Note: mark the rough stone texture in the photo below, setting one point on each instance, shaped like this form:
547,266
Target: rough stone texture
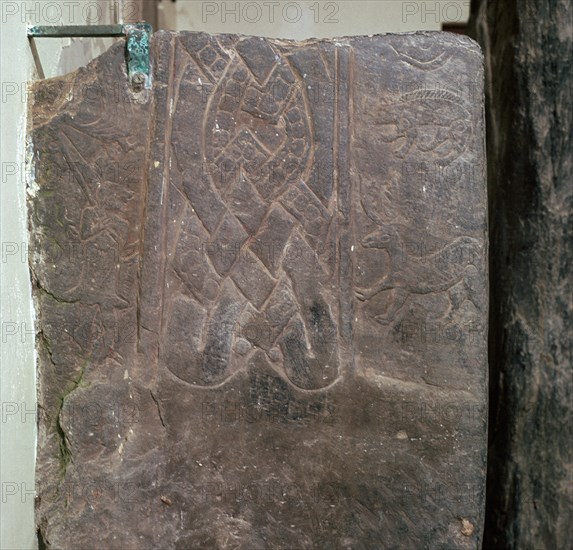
529,59
262,296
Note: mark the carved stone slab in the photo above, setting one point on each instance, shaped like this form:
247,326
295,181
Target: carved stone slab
262,298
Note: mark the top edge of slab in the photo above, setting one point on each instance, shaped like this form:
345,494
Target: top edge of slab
448,37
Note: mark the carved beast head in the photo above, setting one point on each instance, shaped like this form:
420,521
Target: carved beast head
386,237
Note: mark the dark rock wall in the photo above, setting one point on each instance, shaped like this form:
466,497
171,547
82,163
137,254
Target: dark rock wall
529,51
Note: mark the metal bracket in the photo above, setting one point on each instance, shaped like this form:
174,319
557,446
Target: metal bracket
137,44
138,57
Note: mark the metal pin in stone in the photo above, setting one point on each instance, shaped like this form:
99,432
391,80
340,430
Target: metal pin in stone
138,81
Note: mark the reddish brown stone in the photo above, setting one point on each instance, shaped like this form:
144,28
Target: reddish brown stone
272,332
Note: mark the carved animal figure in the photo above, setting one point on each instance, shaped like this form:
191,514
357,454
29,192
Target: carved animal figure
426,120
428,274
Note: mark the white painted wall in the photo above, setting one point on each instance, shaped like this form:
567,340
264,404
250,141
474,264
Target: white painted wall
299,19
283,19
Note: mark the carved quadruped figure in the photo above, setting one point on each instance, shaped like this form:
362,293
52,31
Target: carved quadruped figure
436,272
425,121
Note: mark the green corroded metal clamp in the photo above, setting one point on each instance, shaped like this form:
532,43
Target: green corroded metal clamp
138,36
137,52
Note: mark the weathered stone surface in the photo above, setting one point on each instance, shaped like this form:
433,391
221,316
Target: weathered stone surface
529,52
262,296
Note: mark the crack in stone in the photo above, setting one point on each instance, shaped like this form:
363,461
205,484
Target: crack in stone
66,455
63,443
43,543
44,339
156,401
53,296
